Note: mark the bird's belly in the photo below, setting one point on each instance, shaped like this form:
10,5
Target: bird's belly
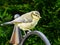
25,26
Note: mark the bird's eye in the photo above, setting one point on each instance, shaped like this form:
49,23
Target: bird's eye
35,15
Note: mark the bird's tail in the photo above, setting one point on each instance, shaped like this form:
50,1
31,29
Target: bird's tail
6,23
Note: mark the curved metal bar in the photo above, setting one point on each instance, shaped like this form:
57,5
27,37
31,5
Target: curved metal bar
43,37
38,33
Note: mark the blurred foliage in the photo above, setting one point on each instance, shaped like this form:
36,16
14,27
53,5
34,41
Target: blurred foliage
49,24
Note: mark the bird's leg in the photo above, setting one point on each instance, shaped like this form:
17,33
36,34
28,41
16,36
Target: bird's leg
24,34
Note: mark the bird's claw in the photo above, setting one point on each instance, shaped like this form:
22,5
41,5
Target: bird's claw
29,31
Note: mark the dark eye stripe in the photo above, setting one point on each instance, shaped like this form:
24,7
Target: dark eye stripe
35,15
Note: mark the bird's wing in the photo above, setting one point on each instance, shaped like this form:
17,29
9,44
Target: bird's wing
23,19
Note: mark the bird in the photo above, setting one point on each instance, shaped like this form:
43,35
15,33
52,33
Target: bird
26,21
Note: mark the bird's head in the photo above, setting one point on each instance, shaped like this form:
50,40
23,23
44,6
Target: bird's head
36,15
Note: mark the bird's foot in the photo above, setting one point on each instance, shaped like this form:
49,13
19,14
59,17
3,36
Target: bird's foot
29,31
26,32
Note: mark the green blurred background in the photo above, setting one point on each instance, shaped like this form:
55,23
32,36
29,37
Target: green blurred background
49,24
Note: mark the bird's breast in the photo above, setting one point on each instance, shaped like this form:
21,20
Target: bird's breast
27,26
